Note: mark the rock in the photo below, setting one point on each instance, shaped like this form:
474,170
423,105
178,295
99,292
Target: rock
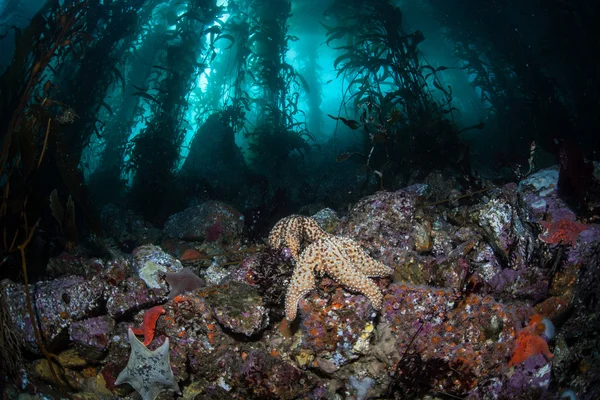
239,308
440,187
530,379
383,225
361,386
152,263
71,359
327,219
66,264
565,280
215,274
75,378
540,193
524,283
203,390
183,282
503,221
518,271
57,303
541,183
335,326
127,228
585,251
214,157
269,377
556,308
326,365
449,343
245,271
42,370
92,336
132,295
422,234
210,221
195,335
485,261
560,304
268,271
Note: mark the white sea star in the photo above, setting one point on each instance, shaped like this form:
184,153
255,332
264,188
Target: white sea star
148,372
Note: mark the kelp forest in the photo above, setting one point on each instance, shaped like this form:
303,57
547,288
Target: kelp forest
186,166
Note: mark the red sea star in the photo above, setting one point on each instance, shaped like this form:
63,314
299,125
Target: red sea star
149,325
562,231
530,343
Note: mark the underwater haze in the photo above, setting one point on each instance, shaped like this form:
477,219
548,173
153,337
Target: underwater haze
290,199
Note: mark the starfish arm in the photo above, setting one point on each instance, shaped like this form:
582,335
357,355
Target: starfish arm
343,272
275,236
312,231
303,281
293,243
545,350
363,261
287,232
126,376
123,377
283,230
292,231
138,331
163,378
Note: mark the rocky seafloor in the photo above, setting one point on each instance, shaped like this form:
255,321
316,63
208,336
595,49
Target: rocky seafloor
495,297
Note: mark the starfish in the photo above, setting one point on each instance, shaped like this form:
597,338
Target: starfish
292,231
530,342
183,281
149,325
342,259
148,372
562,231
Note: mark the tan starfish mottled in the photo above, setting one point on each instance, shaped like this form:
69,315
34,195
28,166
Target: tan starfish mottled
293,232
343,260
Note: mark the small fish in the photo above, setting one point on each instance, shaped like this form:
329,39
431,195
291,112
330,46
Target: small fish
343,157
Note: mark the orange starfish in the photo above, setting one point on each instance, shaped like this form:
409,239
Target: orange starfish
530,342
149,325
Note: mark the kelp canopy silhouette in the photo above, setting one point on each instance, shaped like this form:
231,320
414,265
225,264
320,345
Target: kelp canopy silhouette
510,50
34,121
155,151
131,72
388,83
50,95
215,164
278,131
